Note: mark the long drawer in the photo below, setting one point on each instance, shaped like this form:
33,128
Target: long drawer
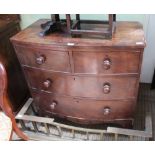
106,62
100,87
83,109
46,59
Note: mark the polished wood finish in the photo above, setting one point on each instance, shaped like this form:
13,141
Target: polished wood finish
106,62
128,35
17,87
83,86
83,109
5,103
80,79
44,59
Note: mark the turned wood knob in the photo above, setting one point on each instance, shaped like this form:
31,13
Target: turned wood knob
107,64
106,110
40,60
47,83
53,105
106,88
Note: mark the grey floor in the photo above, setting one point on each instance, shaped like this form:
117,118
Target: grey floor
146,103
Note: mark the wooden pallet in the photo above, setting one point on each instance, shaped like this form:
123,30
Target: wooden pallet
41,128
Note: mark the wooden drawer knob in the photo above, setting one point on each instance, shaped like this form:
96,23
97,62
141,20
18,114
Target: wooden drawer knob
47,83
40,60
106,111
106,88
53,105
107,64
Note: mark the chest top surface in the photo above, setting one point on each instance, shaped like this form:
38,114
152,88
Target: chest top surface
129,34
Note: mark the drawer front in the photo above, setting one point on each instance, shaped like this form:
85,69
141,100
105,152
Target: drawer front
106,62
44,59
83,109
111,87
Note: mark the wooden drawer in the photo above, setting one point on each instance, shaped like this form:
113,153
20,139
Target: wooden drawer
83,110
103,87
106,62
47,59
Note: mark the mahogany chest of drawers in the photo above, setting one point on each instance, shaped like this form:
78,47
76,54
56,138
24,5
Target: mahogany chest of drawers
84,80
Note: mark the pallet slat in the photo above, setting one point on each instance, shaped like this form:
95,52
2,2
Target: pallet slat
37,119
24,108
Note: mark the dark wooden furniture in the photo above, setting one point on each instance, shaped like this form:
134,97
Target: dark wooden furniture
10,17
79,27
81,79
153,81
18,90
5,103
75,27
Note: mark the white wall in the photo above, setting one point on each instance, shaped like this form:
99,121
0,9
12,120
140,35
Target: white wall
148,22
148,64
27,19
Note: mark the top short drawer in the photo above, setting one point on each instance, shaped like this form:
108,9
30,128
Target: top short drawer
107,62
47,59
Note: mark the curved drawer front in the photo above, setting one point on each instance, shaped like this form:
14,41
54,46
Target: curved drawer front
106,62
111,87
83,109
44,59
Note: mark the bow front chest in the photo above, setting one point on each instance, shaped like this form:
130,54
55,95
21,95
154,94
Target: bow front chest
84,80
